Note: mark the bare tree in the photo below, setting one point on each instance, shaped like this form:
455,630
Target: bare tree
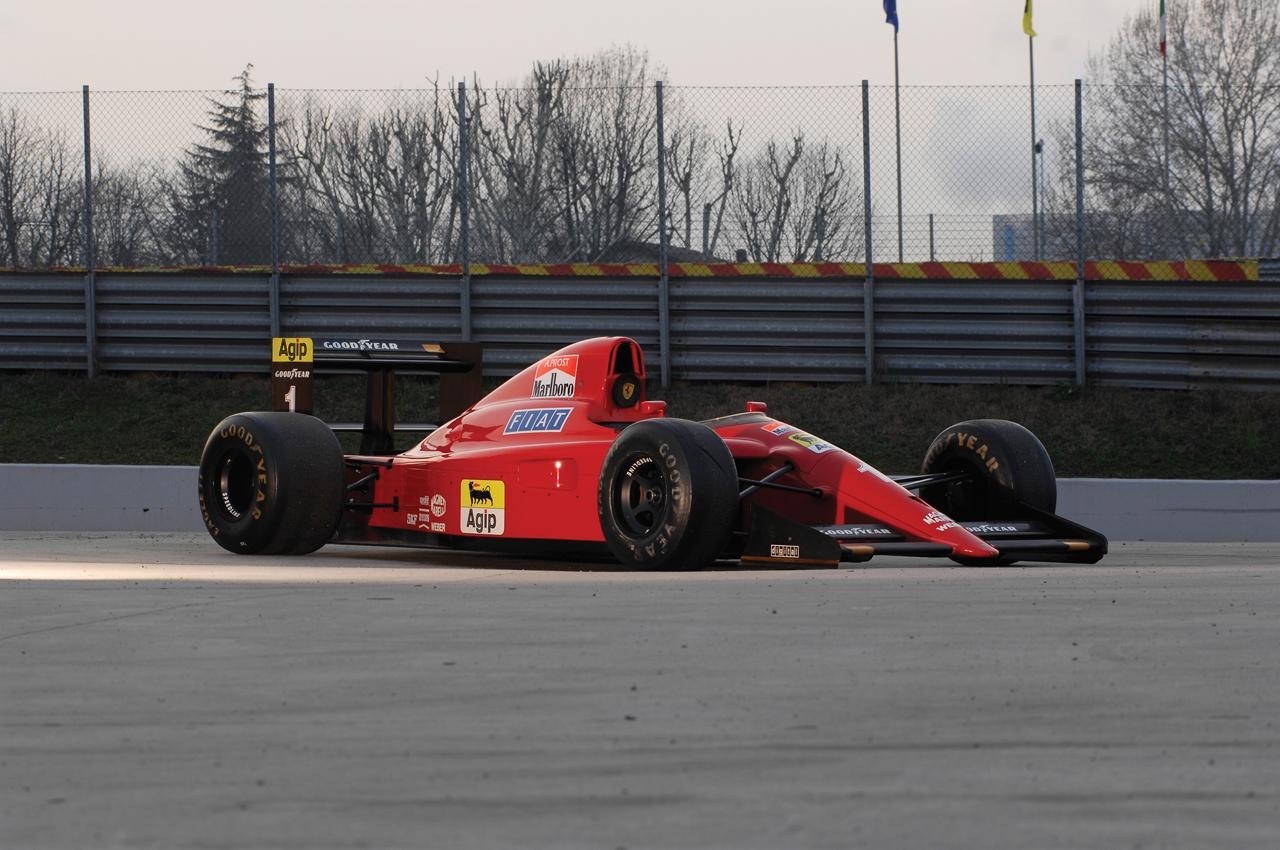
126,209
377,188
700,178
797,204
1220,192
40,197
607,148
517,190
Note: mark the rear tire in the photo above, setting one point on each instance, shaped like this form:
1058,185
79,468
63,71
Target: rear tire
271,483
1007,464
668,495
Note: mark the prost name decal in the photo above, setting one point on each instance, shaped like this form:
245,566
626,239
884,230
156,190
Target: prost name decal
538,420
483,507
556,377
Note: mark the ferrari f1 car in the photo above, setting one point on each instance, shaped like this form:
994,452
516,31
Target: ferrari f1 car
570,456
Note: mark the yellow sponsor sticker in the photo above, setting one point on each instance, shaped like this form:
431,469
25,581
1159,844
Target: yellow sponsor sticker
292,349
483,508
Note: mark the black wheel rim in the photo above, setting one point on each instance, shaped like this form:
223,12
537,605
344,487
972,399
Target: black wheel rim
640,496
235,484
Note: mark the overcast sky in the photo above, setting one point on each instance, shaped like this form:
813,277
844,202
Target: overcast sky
58,45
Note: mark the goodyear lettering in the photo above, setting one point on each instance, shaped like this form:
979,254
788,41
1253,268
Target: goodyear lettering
292,374
246,438
841,531
982,450
359,345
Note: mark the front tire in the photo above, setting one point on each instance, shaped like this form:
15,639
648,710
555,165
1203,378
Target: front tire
668,495
271,483
1007,465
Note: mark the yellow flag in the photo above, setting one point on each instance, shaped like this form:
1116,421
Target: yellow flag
1026,20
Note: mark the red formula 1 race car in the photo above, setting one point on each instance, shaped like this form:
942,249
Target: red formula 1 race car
569,456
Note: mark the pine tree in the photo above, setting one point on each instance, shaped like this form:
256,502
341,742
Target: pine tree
221,200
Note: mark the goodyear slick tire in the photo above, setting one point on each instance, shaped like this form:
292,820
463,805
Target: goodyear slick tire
668,495
1008,463
271,483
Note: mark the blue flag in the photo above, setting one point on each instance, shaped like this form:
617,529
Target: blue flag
891,13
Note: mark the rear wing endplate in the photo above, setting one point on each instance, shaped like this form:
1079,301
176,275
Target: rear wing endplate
295,361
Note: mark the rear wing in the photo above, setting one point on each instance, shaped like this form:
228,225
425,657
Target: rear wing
295,360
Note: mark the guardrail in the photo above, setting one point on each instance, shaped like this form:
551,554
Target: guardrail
763,325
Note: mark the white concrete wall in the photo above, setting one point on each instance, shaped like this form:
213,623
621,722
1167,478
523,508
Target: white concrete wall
35,497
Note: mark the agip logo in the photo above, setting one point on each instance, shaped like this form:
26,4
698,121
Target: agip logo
556,377
483,507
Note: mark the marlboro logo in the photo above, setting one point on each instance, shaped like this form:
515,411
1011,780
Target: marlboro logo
556,377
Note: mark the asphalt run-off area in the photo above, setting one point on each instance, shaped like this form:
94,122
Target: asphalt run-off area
157,691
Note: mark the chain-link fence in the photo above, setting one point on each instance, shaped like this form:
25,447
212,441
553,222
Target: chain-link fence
564,170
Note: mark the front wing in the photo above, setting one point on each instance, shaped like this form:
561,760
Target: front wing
1036,536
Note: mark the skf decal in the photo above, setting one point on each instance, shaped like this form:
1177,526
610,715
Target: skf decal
538,420
483,507
556,377
811,443
291,349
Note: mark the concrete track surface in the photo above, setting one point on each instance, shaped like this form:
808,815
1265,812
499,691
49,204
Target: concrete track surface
158,692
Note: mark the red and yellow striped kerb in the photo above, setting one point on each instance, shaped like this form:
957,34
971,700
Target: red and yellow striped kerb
1104,270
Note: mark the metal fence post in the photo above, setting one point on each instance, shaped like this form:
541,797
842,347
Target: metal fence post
868,287
464,226
664,283
1077,292
90,252
275,209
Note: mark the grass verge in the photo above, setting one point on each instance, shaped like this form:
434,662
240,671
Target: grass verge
1095,432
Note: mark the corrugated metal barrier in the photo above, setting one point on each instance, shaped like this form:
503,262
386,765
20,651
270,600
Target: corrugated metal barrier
1139,334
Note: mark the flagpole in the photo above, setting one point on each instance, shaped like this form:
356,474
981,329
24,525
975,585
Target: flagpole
1168,164
897,119
1035,181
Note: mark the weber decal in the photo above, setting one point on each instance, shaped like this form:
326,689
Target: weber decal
538,420
556,377
483,507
